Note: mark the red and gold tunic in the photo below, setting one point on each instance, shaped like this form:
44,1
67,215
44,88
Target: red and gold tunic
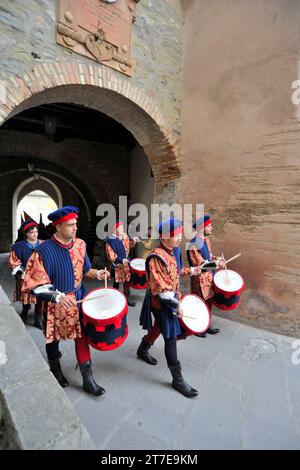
164,278
201,285
122,272
61,323
13,262
163,267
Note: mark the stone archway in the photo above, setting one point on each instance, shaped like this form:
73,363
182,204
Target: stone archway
97,87
41,150
16,197
14,159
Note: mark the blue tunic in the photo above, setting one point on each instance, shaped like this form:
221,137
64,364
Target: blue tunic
59,267
117,245
24,250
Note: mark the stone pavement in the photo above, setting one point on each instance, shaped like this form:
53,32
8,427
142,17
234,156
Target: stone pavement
248,386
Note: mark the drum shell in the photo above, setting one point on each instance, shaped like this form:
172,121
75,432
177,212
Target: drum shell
138,278
227,303
109,333
225,300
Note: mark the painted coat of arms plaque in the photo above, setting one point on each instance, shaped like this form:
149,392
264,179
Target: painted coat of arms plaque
98,29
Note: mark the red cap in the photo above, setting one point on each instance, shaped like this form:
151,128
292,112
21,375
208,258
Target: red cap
207,222
30,224
71,215
118,223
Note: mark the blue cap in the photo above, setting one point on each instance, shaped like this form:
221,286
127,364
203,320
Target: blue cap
169,228
202,221
63,213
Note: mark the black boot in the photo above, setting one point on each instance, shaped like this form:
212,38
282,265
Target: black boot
130,302
89,384
180,384
24,313
38,320
212,331
143,353
57,372
200,335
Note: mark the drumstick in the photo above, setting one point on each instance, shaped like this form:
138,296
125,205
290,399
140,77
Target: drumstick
231,259
187,316
87,300
105,280
226,269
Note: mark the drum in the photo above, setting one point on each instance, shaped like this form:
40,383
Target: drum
138,278
227,289
105,318
196,315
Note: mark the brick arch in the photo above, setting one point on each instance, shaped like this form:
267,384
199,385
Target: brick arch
43,184
97,87
25,188
40,148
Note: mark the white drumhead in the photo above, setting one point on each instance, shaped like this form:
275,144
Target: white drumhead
234,283
195,307
138,264
110,302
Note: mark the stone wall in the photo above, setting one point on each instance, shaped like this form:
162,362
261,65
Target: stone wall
141,180
28,37
99,171
103,168
148,103
25,381
240,145
8,185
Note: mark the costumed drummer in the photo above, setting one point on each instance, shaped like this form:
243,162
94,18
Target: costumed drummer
163,300
199,253
54,273
17,260
117,249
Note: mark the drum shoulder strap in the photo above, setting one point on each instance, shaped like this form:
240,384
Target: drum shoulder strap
150,257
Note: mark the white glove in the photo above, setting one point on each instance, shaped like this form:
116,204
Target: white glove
17,269
49,289
169,295
44,289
